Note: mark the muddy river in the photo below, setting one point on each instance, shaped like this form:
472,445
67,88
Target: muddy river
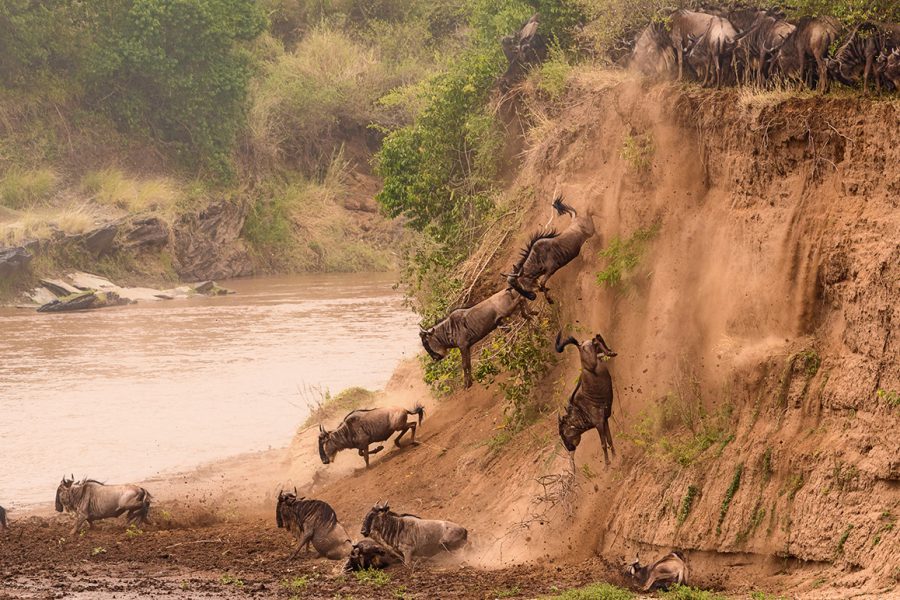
127,393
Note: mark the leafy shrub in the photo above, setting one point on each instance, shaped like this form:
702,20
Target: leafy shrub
175,70
553,74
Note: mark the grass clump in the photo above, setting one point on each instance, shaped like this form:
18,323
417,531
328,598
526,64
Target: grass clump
373,577
623,256
729,496
332,406
595,591
20,189
228,579
685,592
509,592
843,539
295,584
687,503
637,151
552,75
111,187
680,428
891,397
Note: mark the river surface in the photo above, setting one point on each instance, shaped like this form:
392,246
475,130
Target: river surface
126,393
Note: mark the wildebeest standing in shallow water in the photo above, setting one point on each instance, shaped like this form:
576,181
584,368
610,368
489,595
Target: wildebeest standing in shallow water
590,405
312,522
465,327
362,427
410,536
91,501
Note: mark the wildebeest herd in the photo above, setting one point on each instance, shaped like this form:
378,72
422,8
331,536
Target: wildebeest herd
757,47
389,537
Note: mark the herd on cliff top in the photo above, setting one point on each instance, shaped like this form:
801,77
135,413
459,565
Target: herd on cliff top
744,47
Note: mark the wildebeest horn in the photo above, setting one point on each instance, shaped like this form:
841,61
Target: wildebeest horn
295,490
321,428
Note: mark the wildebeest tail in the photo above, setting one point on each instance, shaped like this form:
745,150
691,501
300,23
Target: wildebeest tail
563,208
417,410
561,344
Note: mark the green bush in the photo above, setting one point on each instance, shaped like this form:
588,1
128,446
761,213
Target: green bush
176,71
624,255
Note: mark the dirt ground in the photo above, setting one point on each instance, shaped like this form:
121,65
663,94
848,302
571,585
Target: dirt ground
233,559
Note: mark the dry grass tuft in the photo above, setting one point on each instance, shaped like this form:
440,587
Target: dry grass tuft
110,187
20,189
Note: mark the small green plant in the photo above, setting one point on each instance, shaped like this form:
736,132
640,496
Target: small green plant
818,582
756,519
623,256
228,579
729,496
552,75
891,397
637,151
793,486
684,592
765,465
757,595
400,592
295,584
509,592
587,471
98,550
687,503
595,591
843,539
376,577
809,361
133,531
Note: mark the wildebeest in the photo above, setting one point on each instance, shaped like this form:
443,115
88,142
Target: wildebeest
91,501
369,554
653,54
465,327
590,404
660,575
712,48
363,427
810,41
312,522
758,44
410,536
888,67
684,24
855,58
3,522
547,252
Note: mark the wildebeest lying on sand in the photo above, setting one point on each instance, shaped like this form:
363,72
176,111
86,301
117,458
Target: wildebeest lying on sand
410,536
312,522
668,570
591,402
91,501
369,554
548,252
465,327
365,426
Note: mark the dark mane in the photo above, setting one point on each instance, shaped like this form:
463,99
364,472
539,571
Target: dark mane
540,235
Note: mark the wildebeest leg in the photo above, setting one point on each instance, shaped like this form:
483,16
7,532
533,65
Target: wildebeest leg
526,314
823,74
408,427
79,521
680,51
608,433
304,541
466,354
603,443
869,59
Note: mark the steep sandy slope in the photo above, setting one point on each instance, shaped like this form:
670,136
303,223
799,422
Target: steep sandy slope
753,336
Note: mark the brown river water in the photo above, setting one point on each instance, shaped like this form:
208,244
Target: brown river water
127,393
